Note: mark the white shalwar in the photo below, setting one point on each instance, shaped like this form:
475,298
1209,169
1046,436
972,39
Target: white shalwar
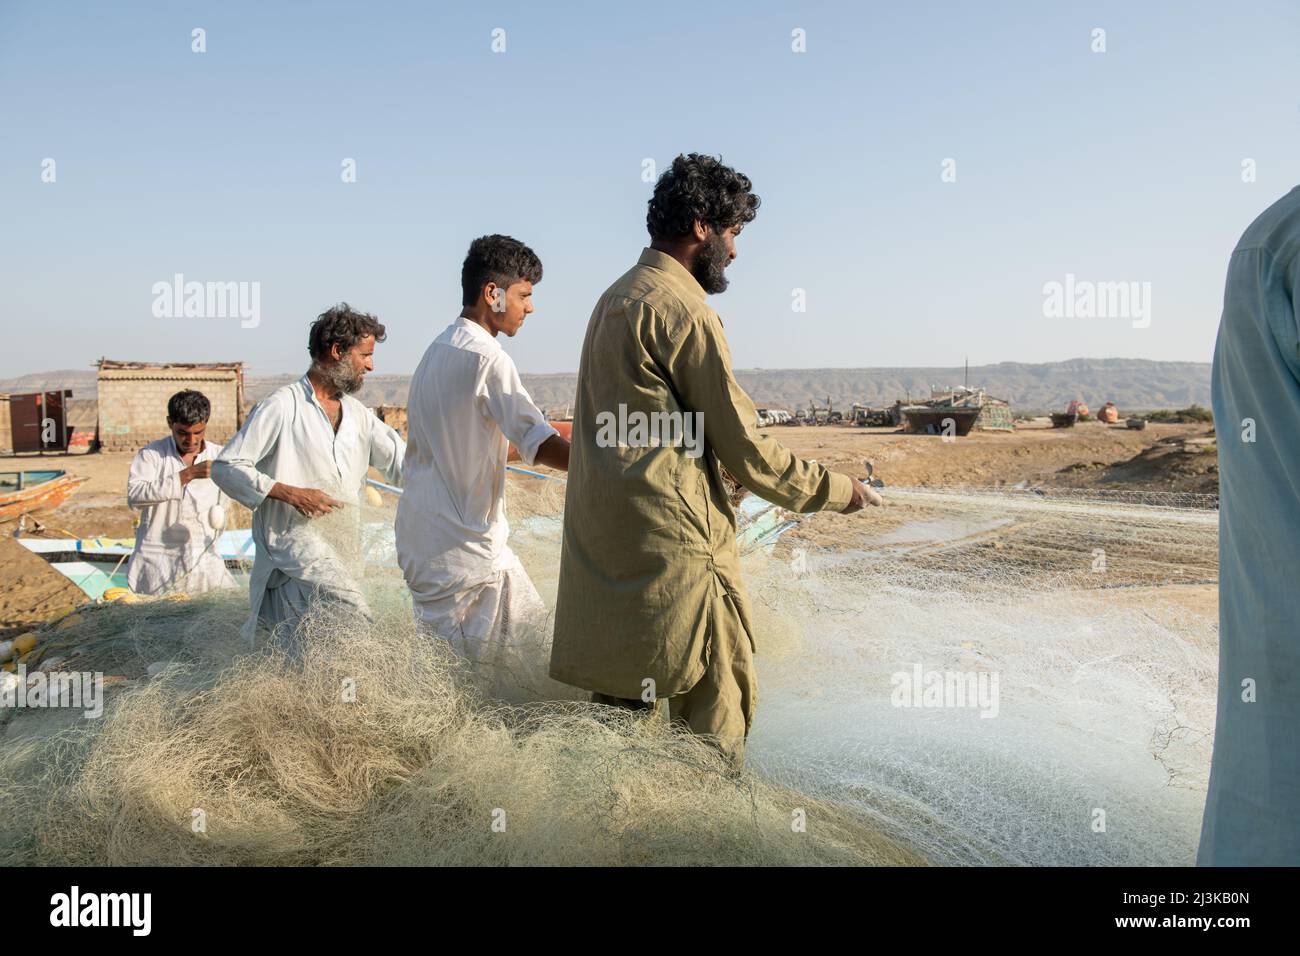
288,438
466,404
175,541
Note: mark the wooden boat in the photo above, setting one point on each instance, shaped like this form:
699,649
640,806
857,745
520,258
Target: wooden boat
25,491
940,420
97,564
956,411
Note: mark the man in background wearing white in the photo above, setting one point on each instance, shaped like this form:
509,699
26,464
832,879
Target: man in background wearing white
466,404
170,485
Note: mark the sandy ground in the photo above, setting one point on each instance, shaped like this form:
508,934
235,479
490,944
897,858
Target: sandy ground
1160,458
32,589
1171,458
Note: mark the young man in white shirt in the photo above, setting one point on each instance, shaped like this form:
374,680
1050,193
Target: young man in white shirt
176,541
466,405
302,454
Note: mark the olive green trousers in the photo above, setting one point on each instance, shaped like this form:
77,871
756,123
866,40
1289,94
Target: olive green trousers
720,707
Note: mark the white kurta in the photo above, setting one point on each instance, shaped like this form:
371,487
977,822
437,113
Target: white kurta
466,404
288,438
175,542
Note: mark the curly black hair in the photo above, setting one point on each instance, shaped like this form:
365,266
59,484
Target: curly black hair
188,408
699,187
498,259
342,326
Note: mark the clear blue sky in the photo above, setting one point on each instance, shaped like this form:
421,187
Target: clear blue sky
225,166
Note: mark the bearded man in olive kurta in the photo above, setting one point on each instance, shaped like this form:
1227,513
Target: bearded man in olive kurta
651,610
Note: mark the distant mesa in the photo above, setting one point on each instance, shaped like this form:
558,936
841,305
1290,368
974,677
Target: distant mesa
1130,383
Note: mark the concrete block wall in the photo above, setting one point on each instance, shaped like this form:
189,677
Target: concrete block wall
133,405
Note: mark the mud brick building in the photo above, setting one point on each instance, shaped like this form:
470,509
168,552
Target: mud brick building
133,400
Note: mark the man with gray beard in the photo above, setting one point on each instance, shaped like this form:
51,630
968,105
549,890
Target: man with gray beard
303,454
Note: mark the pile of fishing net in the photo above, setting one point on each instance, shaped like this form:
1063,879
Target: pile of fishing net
1095,617
375,748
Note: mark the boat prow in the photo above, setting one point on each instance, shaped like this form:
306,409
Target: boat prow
22,492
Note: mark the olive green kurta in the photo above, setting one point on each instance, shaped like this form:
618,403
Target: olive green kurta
649,535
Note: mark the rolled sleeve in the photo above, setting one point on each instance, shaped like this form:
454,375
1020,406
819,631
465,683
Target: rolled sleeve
841,492
532,442
508,403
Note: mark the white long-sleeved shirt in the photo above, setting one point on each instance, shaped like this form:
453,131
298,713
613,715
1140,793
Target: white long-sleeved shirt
466,404
175,542
288,438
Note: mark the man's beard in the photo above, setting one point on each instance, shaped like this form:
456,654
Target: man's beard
710,263
342,377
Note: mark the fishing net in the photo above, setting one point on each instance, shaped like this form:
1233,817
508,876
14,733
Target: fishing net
1081,631
1098,620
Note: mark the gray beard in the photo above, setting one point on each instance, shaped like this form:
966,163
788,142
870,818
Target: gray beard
339,376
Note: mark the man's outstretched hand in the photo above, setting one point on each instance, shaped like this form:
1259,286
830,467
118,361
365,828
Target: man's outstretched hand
863,495
309,502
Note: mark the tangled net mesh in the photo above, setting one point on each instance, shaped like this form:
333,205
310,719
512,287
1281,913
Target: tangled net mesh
378,747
